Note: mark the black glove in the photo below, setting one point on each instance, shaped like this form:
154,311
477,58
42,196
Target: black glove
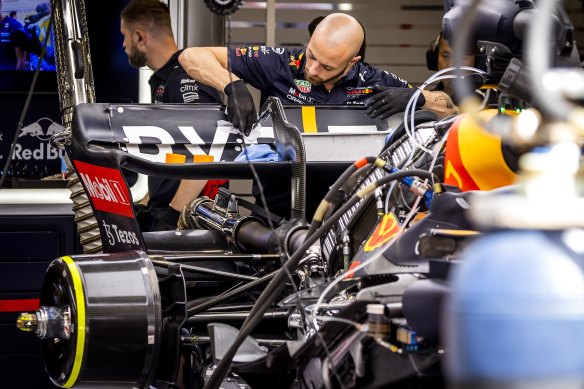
388,100
243,114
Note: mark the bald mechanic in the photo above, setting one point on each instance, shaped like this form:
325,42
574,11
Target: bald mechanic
328,71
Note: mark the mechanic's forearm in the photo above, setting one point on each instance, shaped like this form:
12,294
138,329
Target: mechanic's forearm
187,191
440,103
202,64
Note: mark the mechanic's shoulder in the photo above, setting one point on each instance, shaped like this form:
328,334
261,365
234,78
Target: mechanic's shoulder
373,73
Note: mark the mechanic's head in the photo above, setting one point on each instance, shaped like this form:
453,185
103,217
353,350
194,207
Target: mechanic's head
142,23
445,61
445,55
333,49
43,9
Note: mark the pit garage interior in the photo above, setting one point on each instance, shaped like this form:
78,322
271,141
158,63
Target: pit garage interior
36,217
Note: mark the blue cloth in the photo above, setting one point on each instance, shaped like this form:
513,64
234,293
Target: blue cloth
258,153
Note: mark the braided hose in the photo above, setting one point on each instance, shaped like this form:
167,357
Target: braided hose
75,86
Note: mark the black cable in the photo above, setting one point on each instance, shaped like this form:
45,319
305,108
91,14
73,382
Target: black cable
273,290
462,86
280,249
327,201
27,102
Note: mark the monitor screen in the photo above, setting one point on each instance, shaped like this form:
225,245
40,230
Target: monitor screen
23,29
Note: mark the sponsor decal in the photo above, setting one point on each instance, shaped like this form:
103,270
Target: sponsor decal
106,187
294,99
189,88
278,50
190,97
295,93
35,130
136,135
296,62
387,228
303,85
359,90
187,81
240,51
265,50
43,152
397,78
34,134
160,90
116,235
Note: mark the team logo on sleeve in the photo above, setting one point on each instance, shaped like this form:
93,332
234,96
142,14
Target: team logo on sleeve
356,91
160,90
296,62
303,86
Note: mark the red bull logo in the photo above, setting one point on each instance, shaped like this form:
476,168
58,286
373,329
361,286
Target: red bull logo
384,232
296,62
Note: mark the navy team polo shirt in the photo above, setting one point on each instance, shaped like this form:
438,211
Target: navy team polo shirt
279,72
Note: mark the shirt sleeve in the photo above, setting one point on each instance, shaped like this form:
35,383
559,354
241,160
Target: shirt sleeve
385,78
257,65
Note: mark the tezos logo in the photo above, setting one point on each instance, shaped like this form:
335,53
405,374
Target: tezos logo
303,85
117,235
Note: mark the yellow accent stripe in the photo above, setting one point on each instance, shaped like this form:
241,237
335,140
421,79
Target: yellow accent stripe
447,232
79,321
309,119
380,163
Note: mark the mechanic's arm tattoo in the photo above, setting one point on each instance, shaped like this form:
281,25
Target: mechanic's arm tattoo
444,99
440,103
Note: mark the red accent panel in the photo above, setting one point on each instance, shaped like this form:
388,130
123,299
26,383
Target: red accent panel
21,305
454,171
360,163
107,189
353,265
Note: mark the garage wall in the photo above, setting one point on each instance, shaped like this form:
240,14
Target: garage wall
398,31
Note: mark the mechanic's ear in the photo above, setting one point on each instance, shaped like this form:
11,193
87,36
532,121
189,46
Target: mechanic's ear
139,36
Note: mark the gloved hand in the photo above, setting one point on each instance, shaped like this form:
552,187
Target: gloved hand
389,100
243,114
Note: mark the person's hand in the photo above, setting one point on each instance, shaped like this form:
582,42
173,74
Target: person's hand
387,101
242,114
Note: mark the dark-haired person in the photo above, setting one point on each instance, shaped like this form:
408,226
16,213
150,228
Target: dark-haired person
39,29
12,42
148,41
439,57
